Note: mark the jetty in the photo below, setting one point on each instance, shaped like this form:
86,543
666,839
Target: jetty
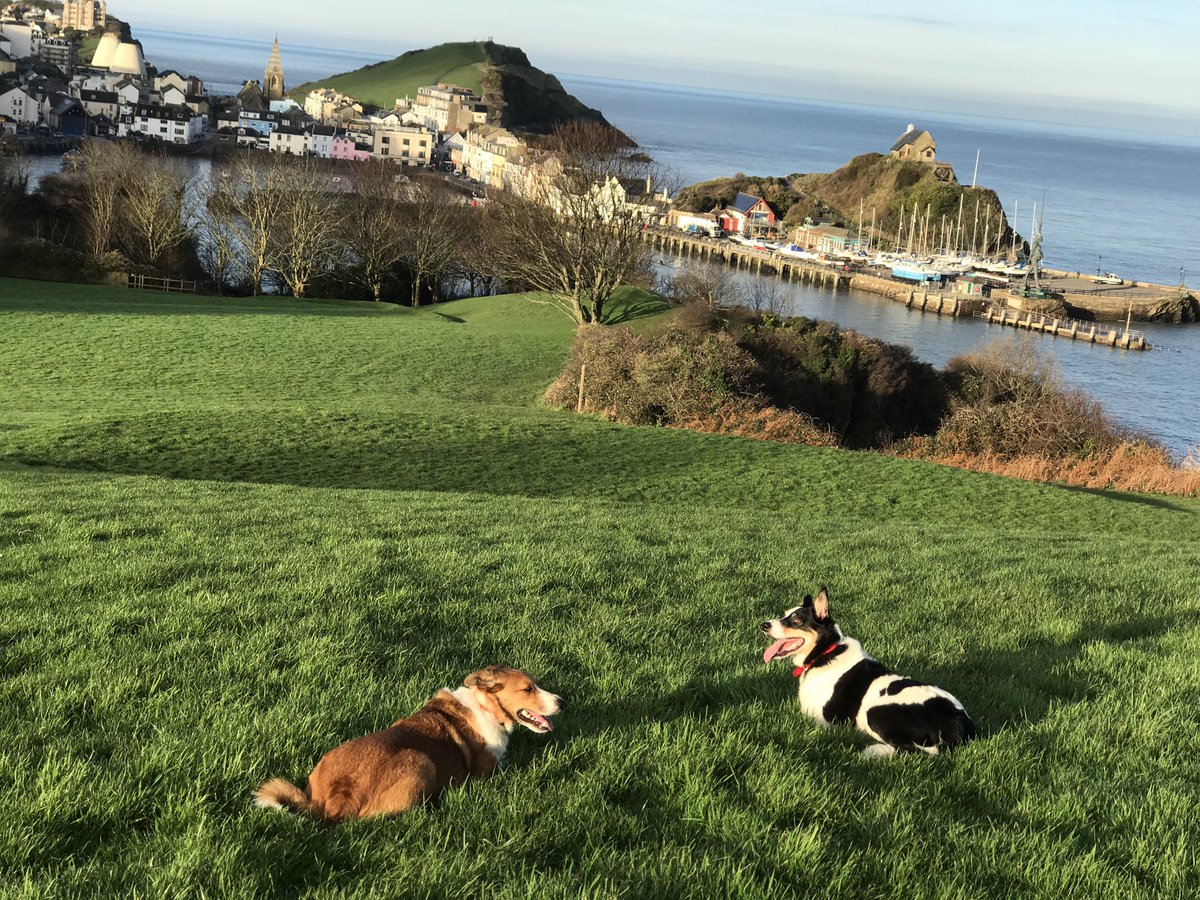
843,277
1060,326
744,257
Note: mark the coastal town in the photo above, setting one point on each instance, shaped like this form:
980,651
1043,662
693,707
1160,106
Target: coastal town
78,74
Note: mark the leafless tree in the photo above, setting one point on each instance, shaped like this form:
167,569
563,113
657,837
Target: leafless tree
304,239
152,210
576,233
436,222
375,231
711,284
257,196
107,169
214,223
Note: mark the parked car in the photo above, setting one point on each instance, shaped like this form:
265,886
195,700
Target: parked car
1107,278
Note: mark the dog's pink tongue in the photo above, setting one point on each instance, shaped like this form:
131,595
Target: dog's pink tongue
541,720
771,652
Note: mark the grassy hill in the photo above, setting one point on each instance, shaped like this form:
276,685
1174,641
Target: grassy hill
519,95
381,84
236,533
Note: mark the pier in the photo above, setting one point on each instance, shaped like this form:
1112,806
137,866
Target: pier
765,262
1060,326
747,259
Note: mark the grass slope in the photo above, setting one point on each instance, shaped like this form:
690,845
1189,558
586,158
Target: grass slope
235,533
384,82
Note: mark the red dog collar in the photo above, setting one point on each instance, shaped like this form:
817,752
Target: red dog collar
800,670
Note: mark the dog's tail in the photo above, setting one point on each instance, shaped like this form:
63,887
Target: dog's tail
279,793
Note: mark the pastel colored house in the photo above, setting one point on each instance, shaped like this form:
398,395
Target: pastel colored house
748,215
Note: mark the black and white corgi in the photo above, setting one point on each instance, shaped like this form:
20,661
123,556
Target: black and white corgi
840,684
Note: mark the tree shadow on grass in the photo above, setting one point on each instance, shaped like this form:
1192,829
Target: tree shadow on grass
1158,501
635,309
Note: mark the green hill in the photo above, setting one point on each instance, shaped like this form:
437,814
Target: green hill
383,83
519,95
234,533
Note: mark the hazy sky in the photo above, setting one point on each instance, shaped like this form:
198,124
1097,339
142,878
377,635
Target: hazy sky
1098,56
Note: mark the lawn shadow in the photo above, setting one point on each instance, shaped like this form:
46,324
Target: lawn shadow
1154,500
636,309
1024,683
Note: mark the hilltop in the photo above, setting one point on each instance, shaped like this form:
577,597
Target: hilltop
874,180
519,95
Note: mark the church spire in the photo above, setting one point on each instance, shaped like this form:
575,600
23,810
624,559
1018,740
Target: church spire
273,86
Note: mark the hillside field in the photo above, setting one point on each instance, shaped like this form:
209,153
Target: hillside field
381,84
235,533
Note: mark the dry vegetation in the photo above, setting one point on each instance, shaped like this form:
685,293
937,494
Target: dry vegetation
1001,410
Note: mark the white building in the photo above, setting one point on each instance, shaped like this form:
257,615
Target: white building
19,106
316,140
172,124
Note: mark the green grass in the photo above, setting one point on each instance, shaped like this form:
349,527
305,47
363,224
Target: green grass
236,533
381,84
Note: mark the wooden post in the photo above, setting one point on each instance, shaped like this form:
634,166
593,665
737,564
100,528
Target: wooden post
582,375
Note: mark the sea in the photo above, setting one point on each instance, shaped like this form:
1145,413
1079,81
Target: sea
1111,199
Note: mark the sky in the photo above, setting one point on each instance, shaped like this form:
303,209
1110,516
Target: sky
1093,58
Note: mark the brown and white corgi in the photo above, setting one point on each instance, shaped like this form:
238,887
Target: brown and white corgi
458,734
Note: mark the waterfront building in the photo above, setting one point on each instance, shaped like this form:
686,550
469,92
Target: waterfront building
84,15
315,140
694,223
67,116
748,215
100,103
822,236
20,106
272,86
172,124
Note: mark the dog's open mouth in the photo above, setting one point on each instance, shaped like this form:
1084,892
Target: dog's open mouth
534,721
782,648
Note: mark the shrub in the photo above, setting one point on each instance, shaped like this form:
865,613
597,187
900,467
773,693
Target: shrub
733,371
1010,402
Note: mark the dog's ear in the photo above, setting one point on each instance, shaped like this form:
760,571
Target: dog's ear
808,601
485,681
821,605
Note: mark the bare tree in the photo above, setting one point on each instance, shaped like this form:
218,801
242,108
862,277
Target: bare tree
214,223
436,223
711,284
576,234
305,236
257,197
107,169
152,210
375,232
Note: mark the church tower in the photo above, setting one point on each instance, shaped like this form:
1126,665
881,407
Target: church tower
273,77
